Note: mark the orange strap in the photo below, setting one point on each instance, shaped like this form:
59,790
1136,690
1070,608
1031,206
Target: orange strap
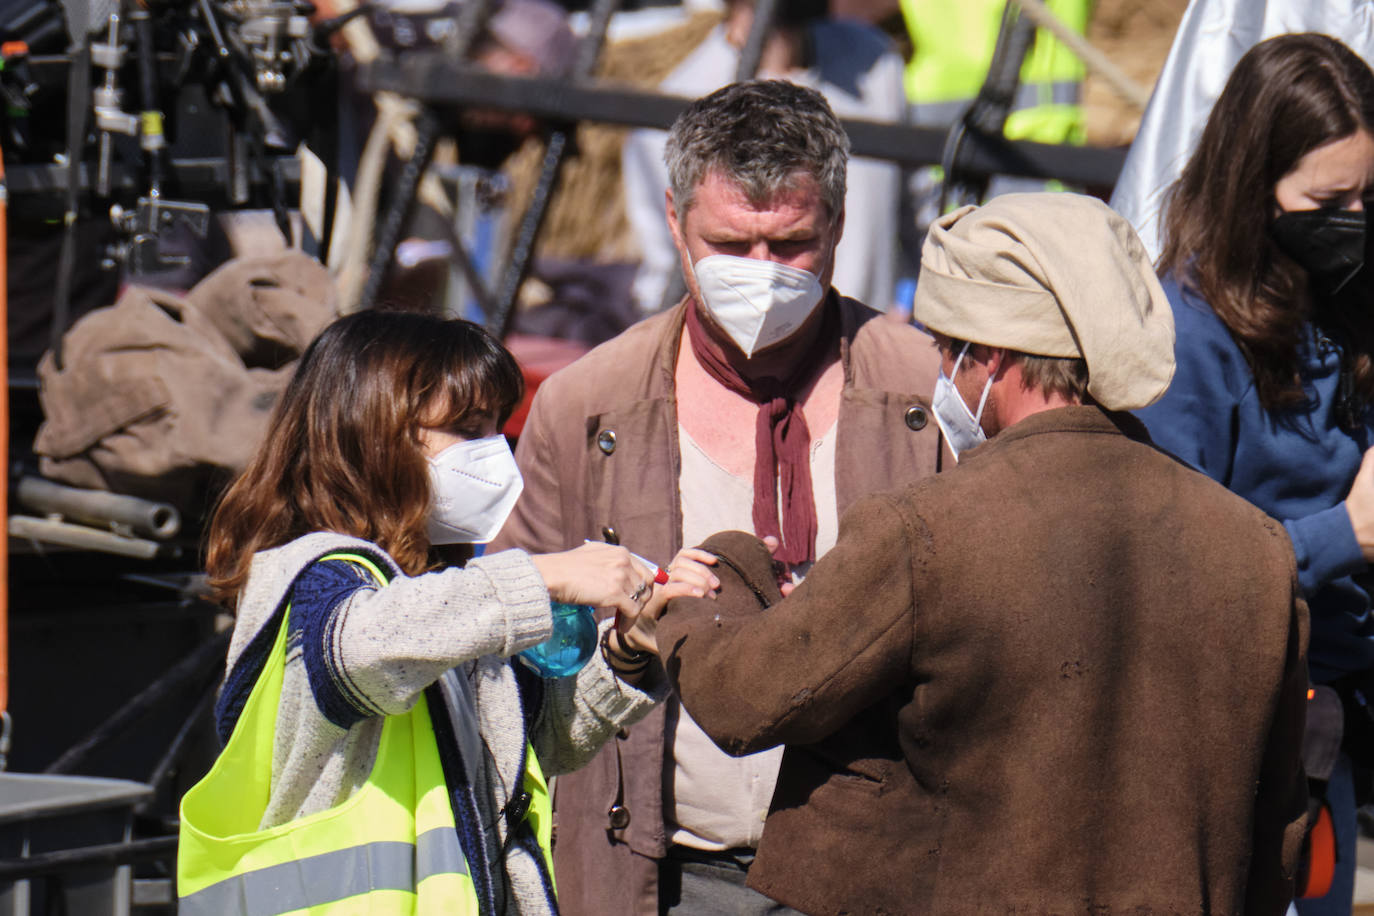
4,450
1320,857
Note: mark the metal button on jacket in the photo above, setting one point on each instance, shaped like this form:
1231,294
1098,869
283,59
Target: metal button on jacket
610,535
619,816
605,440
916,418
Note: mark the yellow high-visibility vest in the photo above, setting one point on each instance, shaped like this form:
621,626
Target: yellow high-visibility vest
391,849
952,47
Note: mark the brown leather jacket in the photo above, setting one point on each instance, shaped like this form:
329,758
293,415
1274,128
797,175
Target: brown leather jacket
600,459
1068,676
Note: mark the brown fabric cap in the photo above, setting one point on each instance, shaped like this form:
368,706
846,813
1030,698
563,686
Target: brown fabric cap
1052,274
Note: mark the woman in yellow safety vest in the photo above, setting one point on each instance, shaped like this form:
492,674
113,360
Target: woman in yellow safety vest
382,753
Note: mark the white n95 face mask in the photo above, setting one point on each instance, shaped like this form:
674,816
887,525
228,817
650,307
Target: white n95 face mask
962,428
475,485
757,303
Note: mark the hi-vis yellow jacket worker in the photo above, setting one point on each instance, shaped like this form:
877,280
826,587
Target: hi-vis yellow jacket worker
952,47
385,754
391,847
435,806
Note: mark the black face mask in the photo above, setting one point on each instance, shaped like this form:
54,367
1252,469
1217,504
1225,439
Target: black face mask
1329,244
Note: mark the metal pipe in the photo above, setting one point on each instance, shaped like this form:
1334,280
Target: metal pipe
472,22
4,472
764,13
172,756
78,92
107,95
150,131
432,79
79,537
114,511
174,680
477,284
402,204
499,321
589,48
555,151
47,863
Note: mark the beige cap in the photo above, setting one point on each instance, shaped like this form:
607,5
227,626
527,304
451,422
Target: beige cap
1052,274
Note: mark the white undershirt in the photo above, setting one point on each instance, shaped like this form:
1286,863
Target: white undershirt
714,801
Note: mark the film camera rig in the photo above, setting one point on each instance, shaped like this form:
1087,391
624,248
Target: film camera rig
151,113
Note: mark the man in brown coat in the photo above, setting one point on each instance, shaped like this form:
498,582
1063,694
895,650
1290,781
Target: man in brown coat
1067,676
763,401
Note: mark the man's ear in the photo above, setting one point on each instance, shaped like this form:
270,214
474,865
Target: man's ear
999,361
995,358
839,226
670,213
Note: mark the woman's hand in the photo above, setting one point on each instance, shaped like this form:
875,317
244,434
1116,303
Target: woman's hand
689,575
597,574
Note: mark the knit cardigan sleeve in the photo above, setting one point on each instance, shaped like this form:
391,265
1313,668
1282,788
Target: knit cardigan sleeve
354,674
371,650
581,713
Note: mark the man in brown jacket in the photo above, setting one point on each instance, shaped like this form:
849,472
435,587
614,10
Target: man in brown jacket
763,401
1067,676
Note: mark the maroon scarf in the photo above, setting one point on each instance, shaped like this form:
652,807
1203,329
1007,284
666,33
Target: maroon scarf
782,442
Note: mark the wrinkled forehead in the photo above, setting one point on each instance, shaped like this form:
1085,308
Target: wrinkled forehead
797,189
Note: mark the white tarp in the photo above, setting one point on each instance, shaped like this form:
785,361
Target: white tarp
1213,35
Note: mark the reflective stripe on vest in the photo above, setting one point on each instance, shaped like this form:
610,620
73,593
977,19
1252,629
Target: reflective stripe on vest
942,114
330,877
390,849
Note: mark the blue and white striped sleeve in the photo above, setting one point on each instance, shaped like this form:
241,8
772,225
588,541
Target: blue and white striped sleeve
321,594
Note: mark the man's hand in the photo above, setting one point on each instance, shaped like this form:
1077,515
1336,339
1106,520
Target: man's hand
689,575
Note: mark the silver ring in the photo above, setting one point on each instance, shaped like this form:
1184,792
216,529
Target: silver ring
639,592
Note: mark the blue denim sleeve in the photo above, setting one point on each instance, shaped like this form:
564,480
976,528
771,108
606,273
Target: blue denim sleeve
320,594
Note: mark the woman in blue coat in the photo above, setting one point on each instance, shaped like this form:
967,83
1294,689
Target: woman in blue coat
1264,263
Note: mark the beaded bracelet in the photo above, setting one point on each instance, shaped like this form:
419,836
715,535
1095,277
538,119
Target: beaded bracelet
632,662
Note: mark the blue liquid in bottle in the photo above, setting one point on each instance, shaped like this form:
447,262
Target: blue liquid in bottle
569,646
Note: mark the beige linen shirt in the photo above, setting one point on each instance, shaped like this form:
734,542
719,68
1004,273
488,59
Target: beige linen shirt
715,801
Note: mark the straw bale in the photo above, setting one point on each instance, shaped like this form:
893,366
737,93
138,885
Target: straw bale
1136,35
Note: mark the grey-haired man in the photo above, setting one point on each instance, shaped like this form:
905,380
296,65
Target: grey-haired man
763,401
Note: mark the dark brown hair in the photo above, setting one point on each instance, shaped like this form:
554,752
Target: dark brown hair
1286,97
1050,375
343,453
